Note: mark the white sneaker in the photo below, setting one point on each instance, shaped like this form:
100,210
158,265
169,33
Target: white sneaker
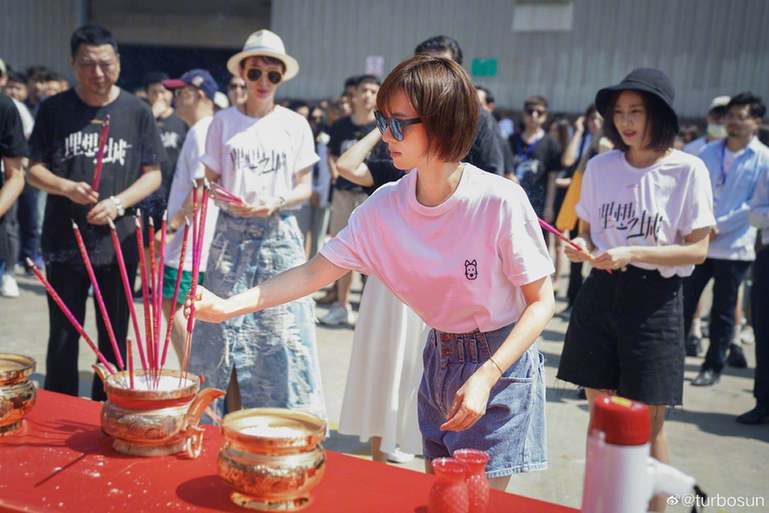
398,456
337,315
9,287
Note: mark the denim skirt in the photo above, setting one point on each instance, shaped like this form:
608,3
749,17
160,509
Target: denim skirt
274,350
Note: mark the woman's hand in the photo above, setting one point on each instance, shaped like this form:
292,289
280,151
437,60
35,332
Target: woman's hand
471,399
263,208
208,307
615,258
578,256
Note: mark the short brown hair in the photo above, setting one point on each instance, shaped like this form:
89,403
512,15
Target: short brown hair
445,100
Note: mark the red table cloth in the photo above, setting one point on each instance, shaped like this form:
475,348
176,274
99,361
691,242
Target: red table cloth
63,462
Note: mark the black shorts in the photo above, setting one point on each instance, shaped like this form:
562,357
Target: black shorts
626,333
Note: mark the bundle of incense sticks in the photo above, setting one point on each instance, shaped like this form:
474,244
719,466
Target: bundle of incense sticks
103,137
199,213
71,318
225,196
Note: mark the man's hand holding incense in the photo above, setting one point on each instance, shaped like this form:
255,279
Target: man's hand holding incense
103,212
81,193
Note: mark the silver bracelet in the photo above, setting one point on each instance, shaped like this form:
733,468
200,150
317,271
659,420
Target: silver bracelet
118,205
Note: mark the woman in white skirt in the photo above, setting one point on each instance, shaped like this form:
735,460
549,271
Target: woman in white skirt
380,399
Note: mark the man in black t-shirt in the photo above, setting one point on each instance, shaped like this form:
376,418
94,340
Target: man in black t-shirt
536,158
63,151
347,195
172,133
13,148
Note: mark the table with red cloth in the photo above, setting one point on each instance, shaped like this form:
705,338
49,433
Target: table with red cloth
62,462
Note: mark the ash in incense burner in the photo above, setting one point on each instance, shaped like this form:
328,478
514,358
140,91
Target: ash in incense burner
158,416
272,457
17,392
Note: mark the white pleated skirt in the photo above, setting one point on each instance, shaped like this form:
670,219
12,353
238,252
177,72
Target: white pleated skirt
380,396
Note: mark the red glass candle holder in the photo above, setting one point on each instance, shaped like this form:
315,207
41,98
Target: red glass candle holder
477,483
449,492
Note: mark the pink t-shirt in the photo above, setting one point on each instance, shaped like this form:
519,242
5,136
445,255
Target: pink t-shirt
459,265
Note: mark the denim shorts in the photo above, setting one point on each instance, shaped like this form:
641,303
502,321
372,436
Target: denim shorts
512,431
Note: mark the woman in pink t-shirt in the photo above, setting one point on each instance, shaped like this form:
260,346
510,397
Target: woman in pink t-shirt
463,248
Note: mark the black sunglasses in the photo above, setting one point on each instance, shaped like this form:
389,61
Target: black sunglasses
540,112
254,74
396,125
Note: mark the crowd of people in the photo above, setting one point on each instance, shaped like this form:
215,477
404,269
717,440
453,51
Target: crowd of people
421,185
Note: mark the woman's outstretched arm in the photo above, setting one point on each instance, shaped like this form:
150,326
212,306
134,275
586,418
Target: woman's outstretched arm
283,288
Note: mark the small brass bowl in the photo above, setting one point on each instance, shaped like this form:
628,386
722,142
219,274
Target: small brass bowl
272,457
17,391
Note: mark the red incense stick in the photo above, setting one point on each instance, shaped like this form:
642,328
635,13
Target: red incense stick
146,304
127,290
97,295
195,272
554,231
177,284
103,136
159,286
197,252
130,358
68,314
151,273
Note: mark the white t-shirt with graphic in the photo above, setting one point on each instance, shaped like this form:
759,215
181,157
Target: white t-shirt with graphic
458,265
188,168
259,157
655,206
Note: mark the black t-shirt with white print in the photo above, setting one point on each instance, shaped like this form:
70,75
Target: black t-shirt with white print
343,134
533,163
66,140
172,133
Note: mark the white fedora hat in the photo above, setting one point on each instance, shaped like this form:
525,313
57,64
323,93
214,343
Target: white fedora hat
269,44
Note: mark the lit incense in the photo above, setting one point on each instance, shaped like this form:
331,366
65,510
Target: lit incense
130,358
145,295
68,314
97,295
127,290
177,284
103,136
197,249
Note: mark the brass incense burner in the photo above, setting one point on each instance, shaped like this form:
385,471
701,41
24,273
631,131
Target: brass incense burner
17,392
272,457
155,419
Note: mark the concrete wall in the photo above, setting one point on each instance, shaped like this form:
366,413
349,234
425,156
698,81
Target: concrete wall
708,47
38,31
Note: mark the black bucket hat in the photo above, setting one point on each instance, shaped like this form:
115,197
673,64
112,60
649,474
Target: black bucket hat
649,80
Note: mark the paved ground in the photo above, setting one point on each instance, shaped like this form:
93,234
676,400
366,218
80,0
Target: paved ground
727,458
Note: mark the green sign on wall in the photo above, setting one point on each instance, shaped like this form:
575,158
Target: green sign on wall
484,67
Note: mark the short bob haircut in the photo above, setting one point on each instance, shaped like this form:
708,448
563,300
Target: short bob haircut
661,123
445,100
